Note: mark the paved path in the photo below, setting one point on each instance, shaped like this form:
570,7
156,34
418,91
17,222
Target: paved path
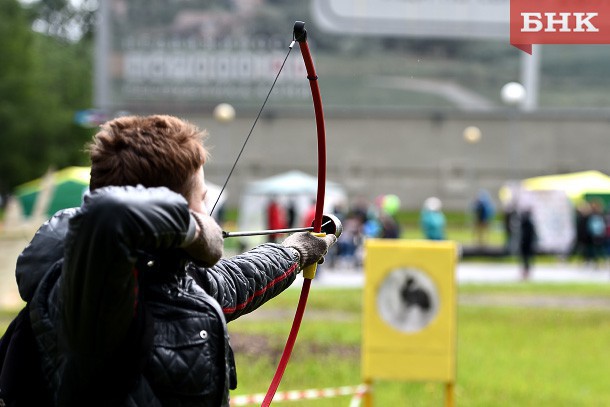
485,273
467,272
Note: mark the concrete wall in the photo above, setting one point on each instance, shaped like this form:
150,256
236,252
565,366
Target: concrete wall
412,154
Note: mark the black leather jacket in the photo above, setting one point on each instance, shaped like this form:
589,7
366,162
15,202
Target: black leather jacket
123,317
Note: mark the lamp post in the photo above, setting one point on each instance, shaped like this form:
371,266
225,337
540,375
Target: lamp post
224,114
513,95
472,135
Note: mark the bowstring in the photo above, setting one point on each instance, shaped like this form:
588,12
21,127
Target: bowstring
252,128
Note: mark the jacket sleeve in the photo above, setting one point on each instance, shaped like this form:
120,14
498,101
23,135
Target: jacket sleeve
45,248
99,288
243,283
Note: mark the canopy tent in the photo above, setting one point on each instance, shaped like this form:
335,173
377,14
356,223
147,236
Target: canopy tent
576,185
213,197
65,188
294,188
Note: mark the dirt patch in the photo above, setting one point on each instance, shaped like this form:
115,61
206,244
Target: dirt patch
256,345
263,314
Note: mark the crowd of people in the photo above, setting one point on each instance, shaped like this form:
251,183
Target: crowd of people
362,219
377,219
592,234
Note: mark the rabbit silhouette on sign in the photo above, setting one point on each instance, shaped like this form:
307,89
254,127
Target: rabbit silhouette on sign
411,295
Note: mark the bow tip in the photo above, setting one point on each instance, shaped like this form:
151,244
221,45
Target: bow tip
299,31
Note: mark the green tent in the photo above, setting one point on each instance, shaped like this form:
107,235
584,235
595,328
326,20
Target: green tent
69,185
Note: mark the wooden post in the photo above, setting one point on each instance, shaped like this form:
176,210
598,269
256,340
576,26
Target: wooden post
368,396
449,394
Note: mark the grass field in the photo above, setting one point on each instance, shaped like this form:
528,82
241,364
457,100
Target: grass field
507,356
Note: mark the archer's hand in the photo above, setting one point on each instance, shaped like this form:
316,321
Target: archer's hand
311,249
208,244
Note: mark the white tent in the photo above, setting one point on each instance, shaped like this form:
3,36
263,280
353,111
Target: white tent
211,198
552,213
294,187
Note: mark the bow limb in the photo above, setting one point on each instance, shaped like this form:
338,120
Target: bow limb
300,35
321,131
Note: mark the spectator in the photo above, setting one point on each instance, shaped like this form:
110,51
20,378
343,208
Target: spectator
484,213
581,241
527,242
291,214
432,220
511,228
276,218
309,215
388,210
596,234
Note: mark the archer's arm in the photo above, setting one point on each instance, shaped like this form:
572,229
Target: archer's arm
243,283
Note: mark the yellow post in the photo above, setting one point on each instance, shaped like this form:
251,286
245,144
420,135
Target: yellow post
368,396
449,394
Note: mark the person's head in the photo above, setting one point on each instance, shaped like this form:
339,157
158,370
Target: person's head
152,151
433,204
597,206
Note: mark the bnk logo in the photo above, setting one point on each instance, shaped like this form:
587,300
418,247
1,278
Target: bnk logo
559,22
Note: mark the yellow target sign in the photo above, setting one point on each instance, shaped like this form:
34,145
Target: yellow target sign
409,311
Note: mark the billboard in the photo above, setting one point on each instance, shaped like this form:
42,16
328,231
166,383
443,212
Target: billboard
193,53
190,55
488,19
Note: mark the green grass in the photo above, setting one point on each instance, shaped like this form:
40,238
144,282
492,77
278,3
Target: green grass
506,356
573,289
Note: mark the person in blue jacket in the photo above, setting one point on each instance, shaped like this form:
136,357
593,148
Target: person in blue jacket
432,219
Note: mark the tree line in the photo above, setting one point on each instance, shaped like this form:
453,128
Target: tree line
45,77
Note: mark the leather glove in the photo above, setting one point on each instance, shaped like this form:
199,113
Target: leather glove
311,248
208,244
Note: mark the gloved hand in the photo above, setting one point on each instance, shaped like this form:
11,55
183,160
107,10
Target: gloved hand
311,249
208,244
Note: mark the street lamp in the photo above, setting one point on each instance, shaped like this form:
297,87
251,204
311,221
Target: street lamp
224,113
513,94
472,134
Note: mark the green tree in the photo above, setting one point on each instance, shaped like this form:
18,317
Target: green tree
65,19
43,80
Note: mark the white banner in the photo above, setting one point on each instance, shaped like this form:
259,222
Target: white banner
418,18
